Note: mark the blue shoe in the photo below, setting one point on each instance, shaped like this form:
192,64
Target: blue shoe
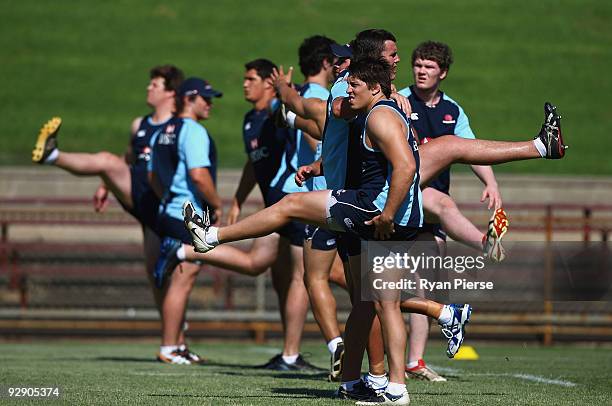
360,391
167,260
455,329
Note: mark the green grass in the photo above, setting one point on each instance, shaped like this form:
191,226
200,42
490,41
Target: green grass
88,61
124,372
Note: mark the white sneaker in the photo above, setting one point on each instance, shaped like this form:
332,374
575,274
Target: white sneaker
175,358
387,399
454,330
424,373
197,227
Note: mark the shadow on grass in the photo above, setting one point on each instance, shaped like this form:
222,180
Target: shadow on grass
305,392
280,375
126,359
224,396
454,394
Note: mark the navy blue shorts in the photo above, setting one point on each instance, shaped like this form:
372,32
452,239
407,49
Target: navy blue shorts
321,238
350,209
294,231
435,229
145,202
174,228
349,245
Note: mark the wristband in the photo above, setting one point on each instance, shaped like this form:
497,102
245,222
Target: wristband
291,119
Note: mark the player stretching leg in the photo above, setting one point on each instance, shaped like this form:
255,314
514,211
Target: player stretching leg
126,177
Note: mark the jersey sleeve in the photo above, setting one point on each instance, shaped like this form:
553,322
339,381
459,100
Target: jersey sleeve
339,90
195,146
406,92
462,129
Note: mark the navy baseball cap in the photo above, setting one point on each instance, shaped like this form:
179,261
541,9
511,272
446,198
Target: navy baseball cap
342,51
198,86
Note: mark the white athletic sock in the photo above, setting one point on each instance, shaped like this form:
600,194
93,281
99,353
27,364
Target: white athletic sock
211,236
446,315
377,381
348,385
166,350
332,345
182,347
540,146
180,253
50,160
412,364
290,359
396,389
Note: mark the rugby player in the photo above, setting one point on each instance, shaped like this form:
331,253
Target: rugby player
435,114
183,165
318,208
125,176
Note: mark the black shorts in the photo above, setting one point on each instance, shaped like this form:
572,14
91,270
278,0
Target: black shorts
145,202
321,238
348,244
350,209
170,227
434,228
294,231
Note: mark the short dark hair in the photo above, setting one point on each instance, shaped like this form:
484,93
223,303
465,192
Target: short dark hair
371,43
173,76
180,101
313,51
373,71
264,67
434,51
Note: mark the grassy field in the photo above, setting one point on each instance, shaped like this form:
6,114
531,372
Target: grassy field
88,62
125,373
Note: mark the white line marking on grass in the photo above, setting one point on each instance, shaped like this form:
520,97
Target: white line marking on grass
445,370
527,377
541,379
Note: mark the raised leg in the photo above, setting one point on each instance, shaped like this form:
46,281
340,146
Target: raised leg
307,207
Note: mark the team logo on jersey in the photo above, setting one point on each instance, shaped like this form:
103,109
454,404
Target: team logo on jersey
141,133
167,138
247,126
448,119
330,242
414,116
254,143
170,128
424,140
145,154
349,223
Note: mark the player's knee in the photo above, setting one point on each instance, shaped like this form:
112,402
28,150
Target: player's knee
447,205
292,203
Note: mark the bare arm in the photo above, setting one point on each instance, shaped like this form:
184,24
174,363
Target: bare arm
342,109
245,186
388,133
155,185
491,190
310,127
134,128
308,171
203,181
